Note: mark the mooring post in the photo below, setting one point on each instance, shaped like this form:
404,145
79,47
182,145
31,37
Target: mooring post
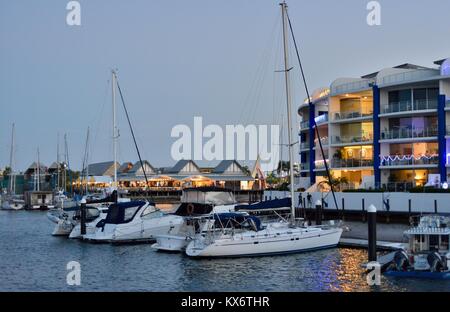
319,212
372,232
83,217
363,207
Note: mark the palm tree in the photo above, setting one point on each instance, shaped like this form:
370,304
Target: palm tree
335,182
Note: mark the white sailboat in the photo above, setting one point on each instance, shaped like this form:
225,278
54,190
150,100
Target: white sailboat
235,236
11,201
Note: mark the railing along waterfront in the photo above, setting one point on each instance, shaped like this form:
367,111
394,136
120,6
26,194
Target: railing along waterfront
408,106
409,133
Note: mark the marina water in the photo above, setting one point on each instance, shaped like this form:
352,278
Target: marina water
33,260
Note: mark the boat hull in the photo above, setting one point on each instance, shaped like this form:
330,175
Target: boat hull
419,274
262,245
171,243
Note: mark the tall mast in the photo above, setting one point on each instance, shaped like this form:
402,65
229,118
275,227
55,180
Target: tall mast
288,102
57,162
38,172
113,85
11,157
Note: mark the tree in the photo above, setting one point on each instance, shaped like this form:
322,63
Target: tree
7,171
335,182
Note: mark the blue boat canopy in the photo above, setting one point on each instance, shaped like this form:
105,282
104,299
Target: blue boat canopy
237,220
267,205
123,212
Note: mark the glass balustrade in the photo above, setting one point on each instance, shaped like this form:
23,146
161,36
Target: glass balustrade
409,133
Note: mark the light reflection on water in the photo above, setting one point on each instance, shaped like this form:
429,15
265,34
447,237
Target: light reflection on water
31,259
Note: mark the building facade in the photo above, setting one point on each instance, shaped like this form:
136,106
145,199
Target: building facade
389,129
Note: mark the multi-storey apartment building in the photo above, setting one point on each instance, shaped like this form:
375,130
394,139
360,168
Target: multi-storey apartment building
387,129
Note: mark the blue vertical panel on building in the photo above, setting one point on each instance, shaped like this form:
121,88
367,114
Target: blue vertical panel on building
312,154
376,135
441,138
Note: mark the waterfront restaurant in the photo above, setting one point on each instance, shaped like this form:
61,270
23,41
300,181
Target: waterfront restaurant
184,174
388,129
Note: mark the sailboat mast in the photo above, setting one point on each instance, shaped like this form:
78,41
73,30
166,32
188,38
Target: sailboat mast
57,162
11,157
113,84
289,109
38,172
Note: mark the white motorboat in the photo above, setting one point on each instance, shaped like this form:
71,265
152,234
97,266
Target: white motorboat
12,202
141,221
235,235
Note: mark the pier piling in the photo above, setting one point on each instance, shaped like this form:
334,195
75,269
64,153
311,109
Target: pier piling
372,235
83,217
319,212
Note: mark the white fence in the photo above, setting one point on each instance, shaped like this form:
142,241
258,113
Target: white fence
394,202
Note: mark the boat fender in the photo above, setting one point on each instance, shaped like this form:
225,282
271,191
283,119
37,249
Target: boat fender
401,261
190,209
436,262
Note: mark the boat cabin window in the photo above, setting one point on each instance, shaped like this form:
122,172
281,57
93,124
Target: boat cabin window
444,242
129,213
434,242
419,243
149,212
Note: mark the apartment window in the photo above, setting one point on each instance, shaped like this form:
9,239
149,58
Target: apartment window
399,96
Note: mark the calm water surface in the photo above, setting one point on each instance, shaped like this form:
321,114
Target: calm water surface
33,260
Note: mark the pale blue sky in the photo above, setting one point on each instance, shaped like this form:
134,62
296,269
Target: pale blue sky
180,59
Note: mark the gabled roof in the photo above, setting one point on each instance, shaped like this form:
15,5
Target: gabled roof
100,169
34,166
224,165
181,164
54,165
137,168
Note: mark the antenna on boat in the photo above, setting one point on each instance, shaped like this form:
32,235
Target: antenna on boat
11,157
311,109
287,69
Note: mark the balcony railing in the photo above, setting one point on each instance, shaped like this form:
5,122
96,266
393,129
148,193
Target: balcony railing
320,164
304,125
408,106
409,133
325,141
304,145
350,87
321,119
351,115
304,167
351,163
361,138
408,160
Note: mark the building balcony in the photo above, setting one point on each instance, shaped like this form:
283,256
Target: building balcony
409,161
304,146
351,163
322,119
364,138
409,107
304,167
344,116
325,142
320,164
304,125
409,133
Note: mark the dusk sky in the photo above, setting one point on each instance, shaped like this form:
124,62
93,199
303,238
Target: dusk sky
180,59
